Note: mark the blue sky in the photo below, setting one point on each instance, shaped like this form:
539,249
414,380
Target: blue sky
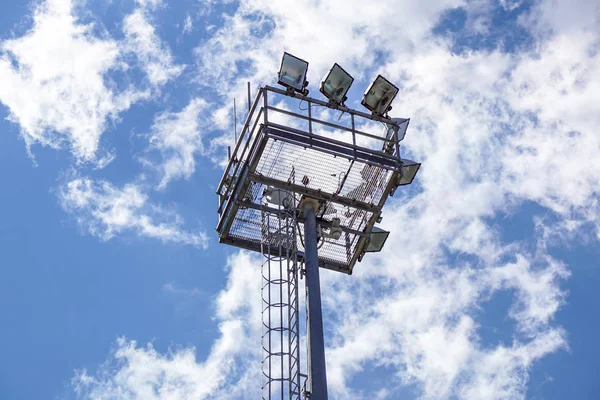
114,122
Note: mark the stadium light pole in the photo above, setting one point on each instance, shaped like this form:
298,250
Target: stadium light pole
261,203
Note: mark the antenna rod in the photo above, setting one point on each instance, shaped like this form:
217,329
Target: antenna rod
234,121
248,97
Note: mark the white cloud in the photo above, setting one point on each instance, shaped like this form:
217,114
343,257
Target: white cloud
52,81
173,289
187,25
323,33
177,138
231,370
510,5
501,373
149,3
154,57
56,79
145,374
415,311
423,327
552,160
106,211
549,18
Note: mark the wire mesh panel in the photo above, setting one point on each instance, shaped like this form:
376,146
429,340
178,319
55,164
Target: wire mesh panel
329,173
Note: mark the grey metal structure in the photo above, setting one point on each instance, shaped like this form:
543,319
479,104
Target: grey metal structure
326,176
317,374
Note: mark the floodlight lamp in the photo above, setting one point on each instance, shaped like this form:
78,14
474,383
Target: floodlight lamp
336,83
379,96
409,170
397,130
292,73
378,238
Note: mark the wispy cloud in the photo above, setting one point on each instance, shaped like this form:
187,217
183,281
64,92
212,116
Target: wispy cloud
52,81
106,211
56,79
187,24
171,288
177,139
154,57
552,161
134,371
149,3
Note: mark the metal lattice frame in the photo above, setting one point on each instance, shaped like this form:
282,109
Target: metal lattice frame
349,171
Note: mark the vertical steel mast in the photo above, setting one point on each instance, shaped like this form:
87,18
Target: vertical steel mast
317,376
308,192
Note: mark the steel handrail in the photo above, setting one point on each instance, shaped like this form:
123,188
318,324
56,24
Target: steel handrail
240,139
333,125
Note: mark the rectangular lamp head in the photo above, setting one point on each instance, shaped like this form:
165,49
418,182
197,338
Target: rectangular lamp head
379,96
378,238
397,130
336,83
409,170
292,73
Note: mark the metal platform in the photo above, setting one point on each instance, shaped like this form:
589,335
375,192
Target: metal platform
350,171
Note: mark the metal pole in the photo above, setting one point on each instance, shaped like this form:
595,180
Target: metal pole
249,101
234,122
317,381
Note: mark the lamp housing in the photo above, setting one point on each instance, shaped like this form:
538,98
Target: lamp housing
378,98
292,73
409,170
397,130
336,84
378,238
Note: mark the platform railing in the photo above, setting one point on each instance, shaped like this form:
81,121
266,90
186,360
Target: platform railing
259,117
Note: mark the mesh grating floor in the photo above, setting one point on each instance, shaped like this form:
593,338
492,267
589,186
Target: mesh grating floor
247,226
314,169
323,171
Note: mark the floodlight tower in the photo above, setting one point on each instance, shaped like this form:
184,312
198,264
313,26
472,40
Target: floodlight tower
307,195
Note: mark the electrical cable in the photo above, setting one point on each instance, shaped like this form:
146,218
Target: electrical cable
304,109
322,243
300,234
